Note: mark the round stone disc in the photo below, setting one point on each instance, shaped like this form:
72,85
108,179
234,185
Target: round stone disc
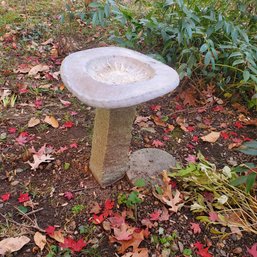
148,164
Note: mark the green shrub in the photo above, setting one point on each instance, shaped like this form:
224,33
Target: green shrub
212,39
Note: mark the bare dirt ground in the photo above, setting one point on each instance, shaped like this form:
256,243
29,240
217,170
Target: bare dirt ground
62,192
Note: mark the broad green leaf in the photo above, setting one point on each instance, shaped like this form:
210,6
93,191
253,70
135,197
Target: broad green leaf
251,178
236,62
239,181
207,58
203,48
140,182
246,75
249,148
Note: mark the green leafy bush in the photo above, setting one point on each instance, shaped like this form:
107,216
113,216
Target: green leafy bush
214,40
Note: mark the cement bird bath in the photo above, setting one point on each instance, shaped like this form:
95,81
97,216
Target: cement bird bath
114,80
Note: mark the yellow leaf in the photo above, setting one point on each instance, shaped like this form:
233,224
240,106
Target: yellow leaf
211,137
40,240
33,122
51,120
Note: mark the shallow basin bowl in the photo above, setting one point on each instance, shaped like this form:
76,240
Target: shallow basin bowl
114,77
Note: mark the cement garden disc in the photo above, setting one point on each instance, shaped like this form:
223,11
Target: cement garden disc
148,163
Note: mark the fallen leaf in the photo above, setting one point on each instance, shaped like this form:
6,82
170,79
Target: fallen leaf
195,227
33,122
50,230
124,233
211,137
68,195
57,236
188,96
169,197
140,252
12,244
51,120
155,215
40,240
75,246
38,68
253,250
96,208
23,198
213,216
158,143
5,197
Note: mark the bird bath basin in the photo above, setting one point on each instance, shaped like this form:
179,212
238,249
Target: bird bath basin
114,80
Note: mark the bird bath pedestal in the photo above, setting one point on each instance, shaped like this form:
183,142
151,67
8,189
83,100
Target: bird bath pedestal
114,80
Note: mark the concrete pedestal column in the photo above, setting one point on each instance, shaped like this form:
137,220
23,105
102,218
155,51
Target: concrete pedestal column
110,145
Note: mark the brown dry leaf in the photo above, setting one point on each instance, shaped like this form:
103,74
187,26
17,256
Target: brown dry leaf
58,236
247,121
211,137
158,121
140,252
95,208
182,123
12,244
33,122
240,108
134,242
40,240
173,200
51,120
38,68
188,96
234,145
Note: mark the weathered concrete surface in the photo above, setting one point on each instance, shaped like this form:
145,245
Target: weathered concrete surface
148,163
110,144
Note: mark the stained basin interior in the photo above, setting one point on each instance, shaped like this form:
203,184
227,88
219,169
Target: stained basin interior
119,70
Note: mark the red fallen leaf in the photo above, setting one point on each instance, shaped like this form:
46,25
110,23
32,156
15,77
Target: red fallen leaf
124,233
191,158
12,130
233,134
68,195
237,140
246,138
179,107
213,216
218,108
173,184
38,103
73,245
155,215
195,139
97,219
68,124
189,146
165,214
203,252
23,138
238,124
224,135
72,113
50,230
23,90
208,196
195,227
190,128
155,108
166,138
108,205
253,250
74,145
23,198
5,197
117,220
62,149
147,223
158,143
